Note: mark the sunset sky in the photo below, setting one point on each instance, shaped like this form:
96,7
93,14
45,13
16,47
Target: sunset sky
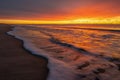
59,10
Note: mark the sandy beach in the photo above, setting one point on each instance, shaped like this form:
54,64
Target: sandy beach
16,63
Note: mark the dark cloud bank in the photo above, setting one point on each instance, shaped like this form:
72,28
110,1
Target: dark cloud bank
42,8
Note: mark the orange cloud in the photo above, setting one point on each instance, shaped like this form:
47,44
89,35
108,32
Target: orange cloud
58,9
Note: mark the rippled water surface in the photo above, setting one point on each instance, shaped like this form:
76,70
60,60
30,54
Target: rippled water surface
78,52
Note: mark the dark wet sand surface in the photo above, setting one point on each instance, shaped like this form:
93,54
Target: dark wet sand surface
16,63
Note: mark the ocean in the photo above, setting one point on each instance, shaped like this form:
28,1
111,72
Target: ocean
74,52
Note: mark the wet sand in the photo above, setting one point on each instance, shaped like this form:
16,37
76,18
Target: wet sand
16,63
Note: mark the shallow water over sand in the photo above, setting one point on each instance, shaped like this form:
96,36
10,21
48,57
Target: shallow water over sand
75,52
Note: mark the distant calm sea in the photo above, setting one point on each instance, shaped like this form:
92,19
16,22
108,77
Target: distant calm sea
75,52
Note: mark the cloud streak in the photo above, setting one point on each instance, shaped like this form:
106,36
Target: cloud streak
58,9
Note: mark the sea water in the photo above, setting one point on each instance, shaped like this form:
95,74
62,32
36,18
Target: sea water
75,52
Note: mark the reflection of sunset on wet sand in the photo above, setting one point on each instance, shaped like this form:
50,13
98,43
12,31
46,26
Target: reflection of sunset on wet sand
73,50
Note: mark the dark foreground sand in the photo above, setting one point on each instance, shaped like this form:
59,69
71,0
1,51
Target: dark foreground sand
17,63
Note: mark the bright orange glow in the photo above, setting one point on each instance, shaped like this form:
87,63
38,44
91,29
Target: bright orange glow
113,20
60,12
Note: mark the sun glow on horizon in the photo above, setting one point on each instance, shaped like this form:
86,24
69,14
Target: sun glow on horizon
113,20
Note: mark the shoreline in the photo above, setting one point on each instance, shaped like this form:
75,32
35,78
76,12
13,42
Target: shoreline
17,62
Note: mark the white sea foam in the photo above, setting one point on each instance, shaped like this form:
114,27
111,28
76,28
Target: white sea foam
65,56
58,70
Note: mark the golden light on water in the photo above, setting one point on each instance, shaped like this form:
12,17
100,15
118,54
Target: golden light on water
113,20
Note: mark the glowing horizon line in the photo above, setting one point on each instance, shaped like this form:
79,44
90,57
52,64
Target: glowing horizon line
113,20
